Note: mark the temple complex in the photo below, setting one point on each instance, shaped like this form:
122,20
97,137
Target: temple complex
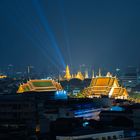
100,85
39,86
68,76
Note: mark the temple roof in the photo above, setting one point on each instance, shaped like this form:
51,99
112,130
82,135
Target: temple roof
104,81
42,83
39,85
79,76
105,85
3,76
119,91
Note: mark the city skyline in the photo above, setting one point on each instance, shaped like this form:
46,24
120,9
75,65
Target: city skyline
69,69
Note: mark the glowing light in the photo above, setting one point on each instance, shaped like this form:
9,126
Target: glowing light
32,30
88,113
117,69
85,124
31,35
48,30
67,75
3,76
62,94
61,5
117,108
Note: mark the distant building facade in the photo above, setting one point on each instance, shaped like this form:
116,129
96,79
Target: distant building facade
17,115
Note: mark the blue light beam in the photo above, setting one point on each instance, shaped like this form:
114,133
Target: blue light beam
61,5
30,36
48,30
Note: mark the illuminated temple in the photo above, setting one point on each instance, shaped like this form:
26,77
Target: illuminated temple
100,85
105,86
68,76
3,76
39,86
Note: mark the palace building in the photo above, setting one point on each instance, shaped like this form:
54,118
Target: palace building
105,86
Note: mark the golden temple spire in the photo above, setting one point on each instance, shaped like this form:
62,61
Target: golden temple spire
67,74
108,74
79,75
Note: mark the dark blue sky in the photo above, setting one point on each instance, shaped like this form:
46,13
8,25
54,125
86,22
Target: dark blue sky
98,33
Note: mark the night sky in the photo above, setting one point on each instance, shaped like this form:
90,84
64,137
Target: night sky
53,33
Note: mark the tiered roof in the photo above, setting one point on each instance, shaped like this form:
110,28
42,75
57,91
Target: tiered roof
39,86
104,81
105,85
3,76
